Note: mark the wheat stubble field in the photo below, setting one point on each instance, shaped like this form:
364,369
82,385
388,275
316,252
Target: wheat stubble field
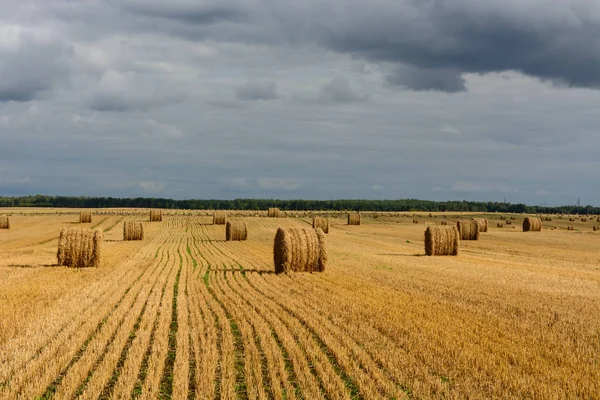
186,314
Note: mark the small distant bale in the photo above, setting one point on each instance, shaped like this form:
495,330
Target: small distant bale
219,217
468,229
571,219
500,225
300,250
532,224
4,222
583,219
320,222
570,228
274,212
482,223
354,219
133,230
595,228
444,222
235,230
442,241
415,221
79,248
508,222
513,218
156,215
85,217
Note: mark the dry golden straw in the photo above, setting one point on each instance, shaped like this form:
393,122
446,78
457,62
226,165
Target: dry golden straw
482,223
236,231
354,219
300,250
219,217
79,248
156,215
441,241
4,222
532,224
85,217
274,212
321,222
468,230
133,230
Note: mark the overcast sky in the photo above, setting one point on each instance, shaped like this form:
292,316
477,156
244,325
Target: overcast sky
378,99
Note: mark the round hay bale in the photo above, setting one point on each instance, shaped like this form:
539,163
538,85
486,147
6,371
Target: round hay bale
508,222
354,219
595,228
571,219
79,248
133,230
583,219
4,221
236,231
444,222
320,222
468,229
441,241
219,217
482,223
85,217
415,221
532,224
570,228
299,249
156,215
274,212
500,225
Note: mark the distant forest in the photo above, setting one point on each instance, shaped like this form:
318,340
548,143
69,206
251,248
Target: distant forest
263,204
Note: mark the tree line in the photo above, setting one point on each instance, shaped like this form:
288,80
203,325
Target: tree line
400,205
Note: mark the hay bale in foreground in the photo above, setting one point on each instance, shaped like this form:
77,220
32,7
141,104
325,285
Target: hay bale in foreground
441,241
274,212
532,224
482,223
156,215
354,219
468,229
321,222
79,248
300,250
219,217
85,217
236,231
4,222
133,230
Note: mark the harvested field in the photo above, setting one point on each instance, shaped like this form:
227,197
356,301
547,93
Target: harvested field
185,314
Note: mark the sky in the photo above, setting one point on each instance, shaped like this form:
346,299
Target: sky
330,99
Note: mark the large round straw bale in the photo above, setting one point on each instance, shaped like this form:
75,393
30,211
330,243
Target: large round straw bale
320,222
299,249
482,223
354,219
219,217
468,229
274,212
156,215
4,222
79,248
533,224
85,217
441,241
133,230
236,231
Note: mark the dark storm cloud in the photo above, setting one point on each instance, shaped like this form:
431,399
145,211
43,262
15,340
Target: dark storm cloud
257,91
185,11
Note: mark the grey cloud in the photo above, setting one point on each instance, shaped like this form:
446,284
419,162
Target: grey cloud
339,90
257,91
192,12
414,78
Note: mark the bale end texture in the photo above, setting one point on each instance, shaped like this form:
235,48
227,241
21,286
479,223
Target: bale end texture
299,250
320,222
156,215
482,223
236,231
532,224
79,248
354,219
219,218
85,217
133,230
441,241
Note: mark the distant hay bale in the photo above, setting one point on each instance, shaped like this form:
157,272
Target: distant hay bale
441,241
570,228
236,231
219,217
274,212
354,219
79,248
571,219
583,219
300,250
133,230
85,217
500,225
320,222
444,222
513,218
468,229
4,222
548,219
532,224
508,222
415,221
482,223
156,215
595,228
